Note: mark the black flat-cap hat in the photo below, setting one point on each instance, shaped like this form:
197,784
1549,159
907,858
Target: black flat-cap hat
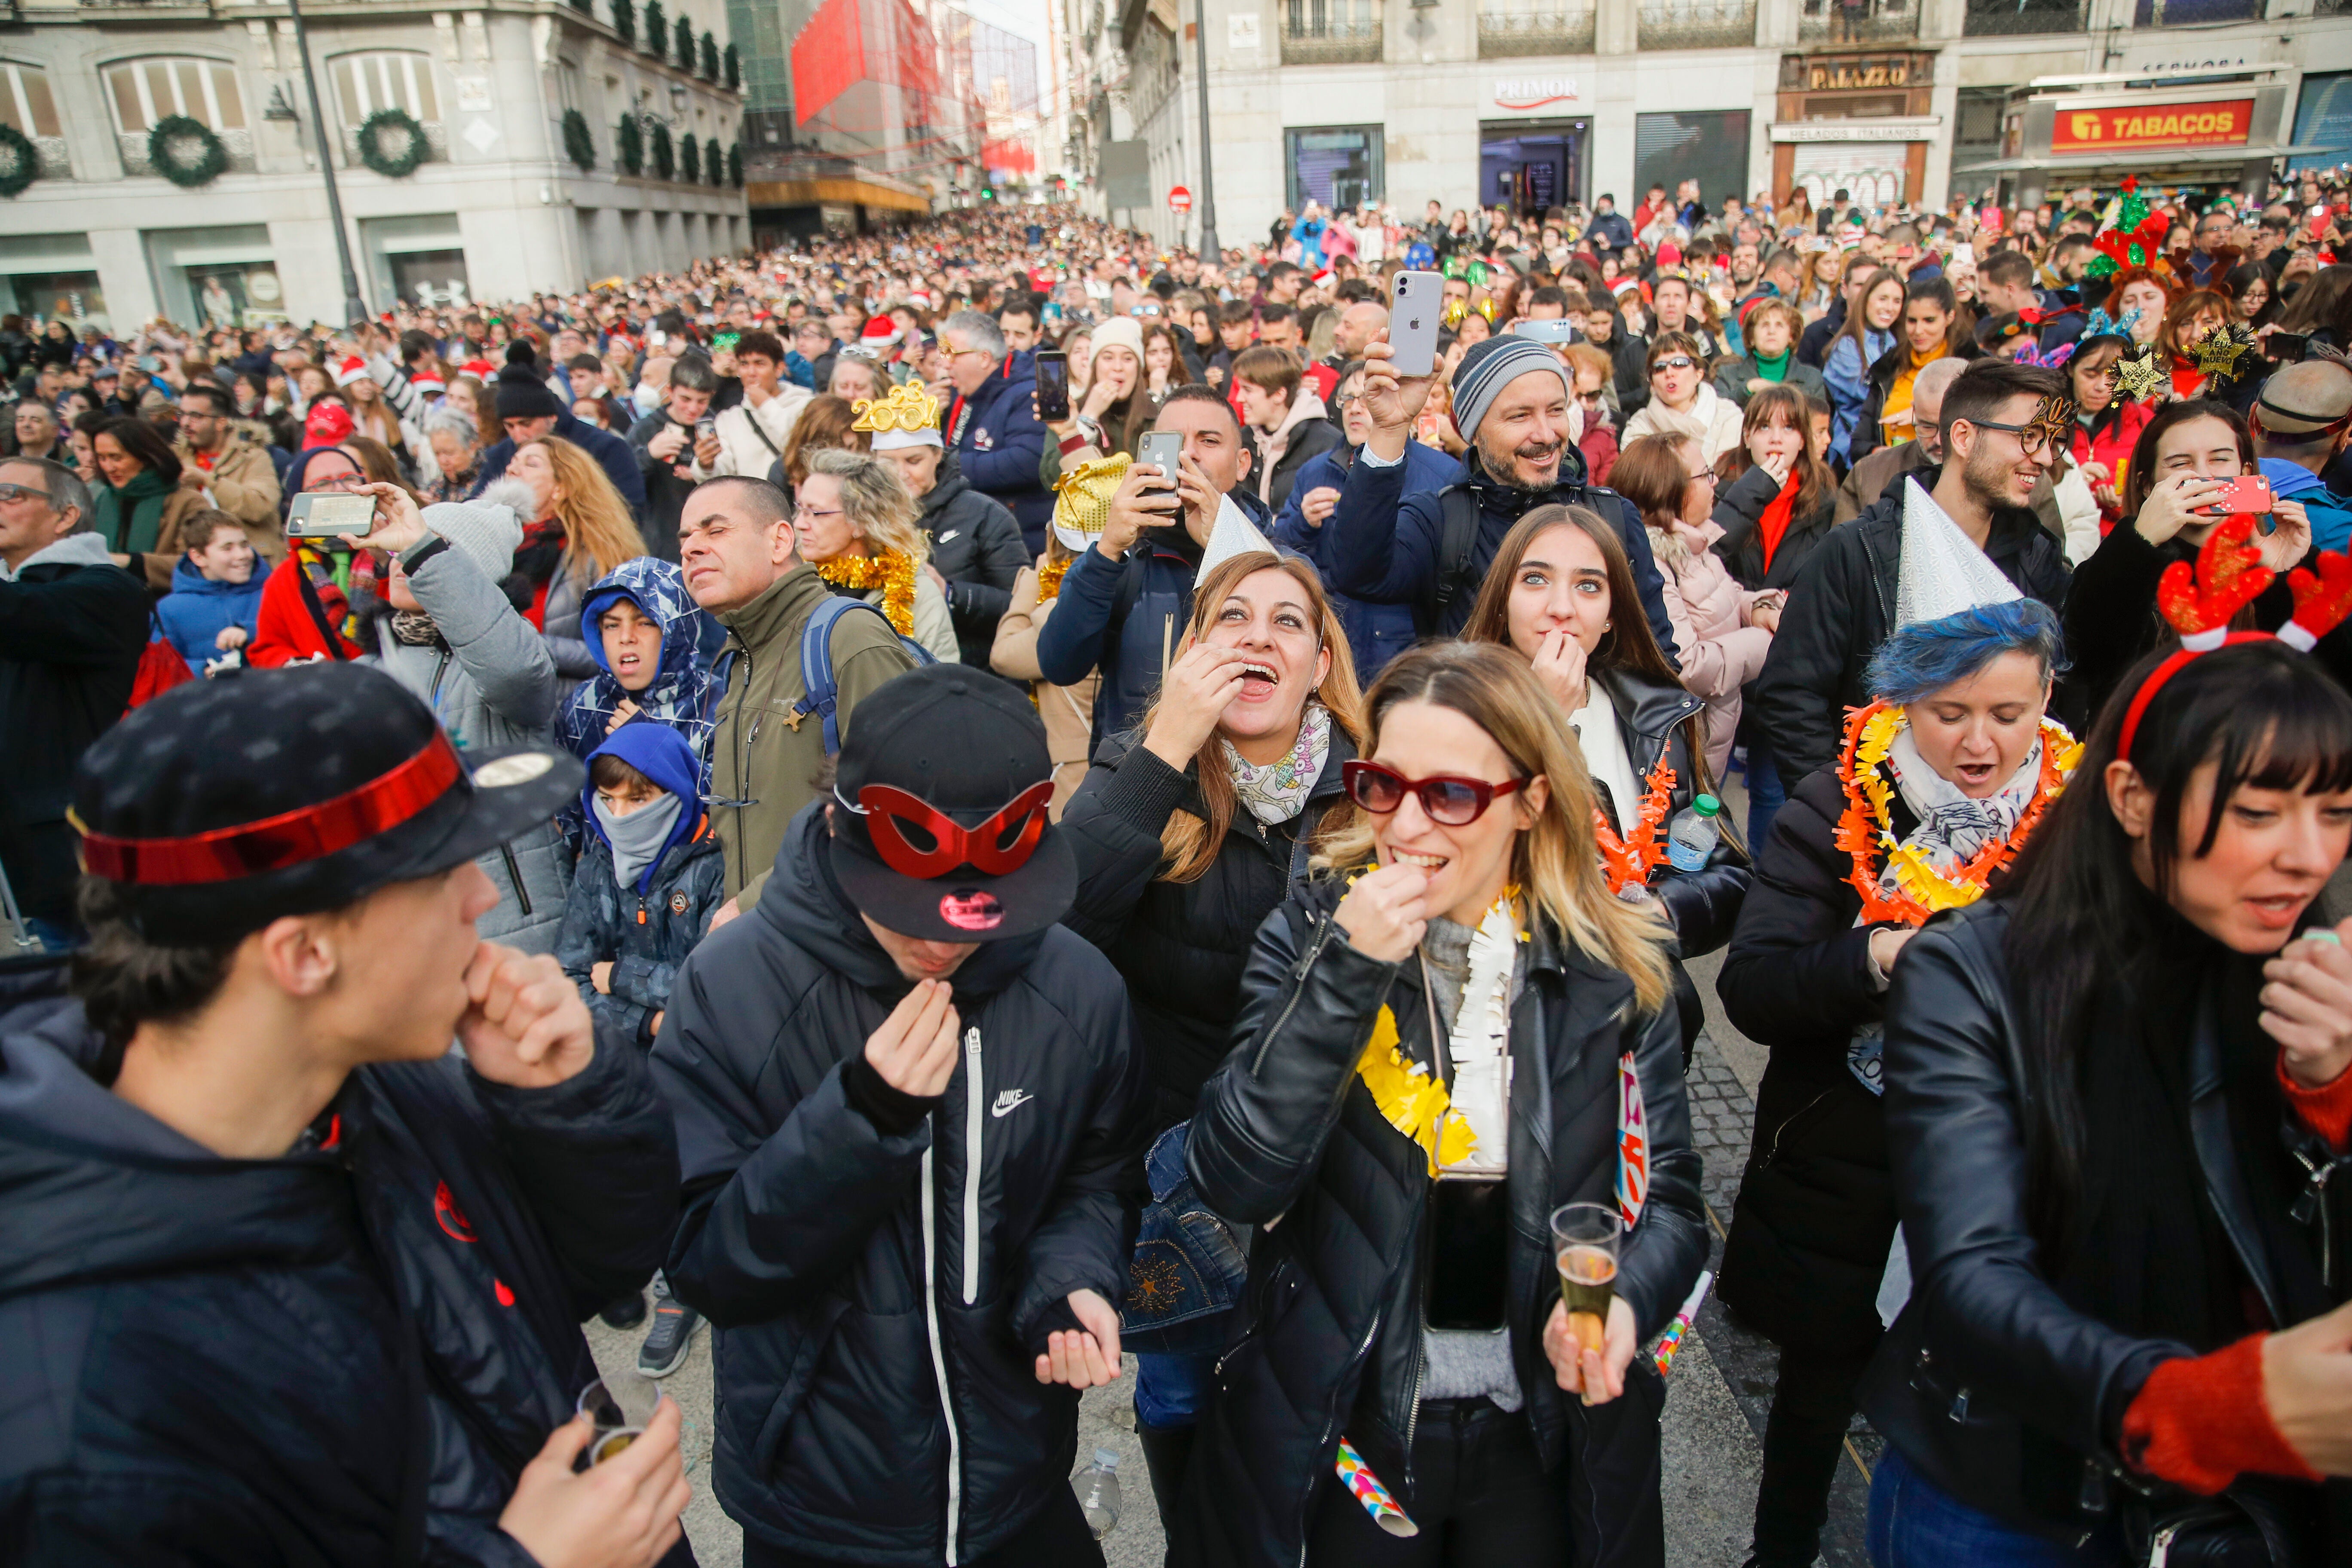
939,824
224,804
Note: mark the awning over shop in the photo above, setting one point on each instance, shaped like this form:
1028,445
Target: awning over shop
839,192
2140,161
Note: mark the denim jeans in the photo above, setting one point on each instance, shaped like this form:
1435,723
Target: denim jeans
1168,1387
1766,794
1915,1524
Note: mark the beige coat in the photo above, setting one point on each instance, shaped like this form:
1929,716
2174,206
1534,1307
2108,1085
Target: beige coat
1068,710
244,484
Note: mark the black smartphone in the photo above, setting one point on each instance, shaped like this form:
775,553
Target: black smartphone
1053,384
2287,347
1470,1242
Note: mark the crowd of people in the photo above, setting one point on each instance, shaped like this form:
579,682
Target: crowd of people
983,801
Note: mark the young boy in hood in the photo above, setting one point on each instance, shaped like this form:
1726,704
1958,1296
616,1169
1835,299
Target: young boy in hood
649,877
214,597
651,643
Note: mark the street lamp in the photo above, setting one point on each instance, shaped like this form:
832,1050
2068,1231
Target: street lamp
1210,255
354,307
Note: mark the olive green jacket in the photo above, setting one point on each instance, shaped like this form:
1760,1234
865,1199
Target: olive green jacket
763,763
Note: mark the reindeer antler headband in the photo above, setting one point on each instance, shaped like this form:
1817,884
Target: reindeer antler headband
2229,576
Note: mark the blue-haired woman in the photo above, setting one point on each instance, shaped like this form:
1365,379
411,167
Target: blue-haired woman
1938,782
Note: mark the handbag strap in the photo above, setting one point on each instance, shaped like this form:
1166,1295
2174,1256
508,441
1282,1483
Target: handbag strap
318,609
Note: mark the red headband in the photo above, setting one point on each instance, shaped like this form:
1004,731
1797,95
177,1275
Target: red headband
2229,575
274,843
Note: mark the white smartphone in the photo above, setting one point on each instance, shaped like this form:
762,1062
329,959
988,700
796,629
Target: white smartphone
1556,334
1414,310
317,515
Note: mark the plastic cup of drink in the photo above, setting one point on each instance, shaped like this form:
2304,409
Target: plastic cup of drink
1586,1239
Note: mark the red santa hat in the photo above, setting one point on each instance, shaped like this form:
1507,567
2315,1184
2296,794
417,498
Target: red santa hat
479,369
428,382
881,332
328,423
349,369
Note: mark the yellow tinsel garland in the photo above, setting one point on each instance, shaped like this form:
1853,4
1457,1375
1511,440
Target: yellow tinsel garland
1049,578
892,571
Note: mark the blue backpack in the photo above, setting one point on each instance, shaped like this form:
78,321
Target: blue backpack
816,661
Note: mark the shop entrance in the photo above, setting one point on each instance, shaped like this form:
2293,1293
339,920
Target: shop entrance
1533,166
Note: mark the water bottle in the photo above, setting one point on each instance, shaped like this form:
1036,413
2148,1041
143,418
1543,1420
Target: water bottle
1098,1491
1691,837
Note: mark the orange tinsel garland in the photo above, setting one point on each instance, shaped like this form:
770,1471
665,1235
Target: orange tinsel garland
1864,827
1626,862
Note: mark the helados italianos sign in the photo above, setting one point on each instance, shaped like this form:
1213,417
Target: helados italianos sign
2135,128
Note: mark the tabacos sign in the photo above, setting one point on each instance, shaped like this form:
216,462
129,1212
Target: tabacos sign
1534,93
2131,129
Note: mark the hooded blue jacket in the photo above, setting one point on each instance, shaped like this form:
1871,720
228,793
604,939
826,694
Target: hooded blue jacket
2331,514
197,609
1377,633
684,694
645,930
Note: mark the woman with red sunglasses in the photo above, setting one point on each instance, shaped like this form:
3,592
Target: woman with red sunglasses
1427,1063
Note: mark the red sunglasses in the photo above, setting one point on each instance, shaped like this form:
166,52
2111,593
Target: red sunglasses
1449,801
1002,844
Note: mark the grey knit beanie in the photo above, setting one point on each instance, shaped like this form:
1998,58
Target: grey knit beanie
487,530
1491,366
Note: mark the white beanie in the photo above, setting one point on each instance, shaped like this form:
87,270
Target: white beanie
1119,332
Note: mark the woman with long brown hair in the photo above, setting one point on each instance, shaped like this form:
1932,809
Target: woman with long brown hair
826,425
1775,498
1189,830
582,530
1426,1066
2187,320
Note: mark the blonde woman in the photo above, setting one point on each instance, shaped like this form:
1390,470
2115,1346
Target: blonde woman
582,530
1188,833
1425,1067
856,524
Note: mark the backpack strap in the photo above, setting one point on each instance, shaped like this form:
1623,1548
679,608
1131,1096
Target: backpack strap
820,693
311,602
1457,536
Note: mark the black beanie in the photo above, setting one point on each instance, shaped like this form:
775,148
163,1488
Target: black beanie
522,392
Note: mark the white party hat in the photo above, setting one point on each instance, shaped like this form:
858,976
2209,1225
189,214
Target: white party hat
1942,571
1234,535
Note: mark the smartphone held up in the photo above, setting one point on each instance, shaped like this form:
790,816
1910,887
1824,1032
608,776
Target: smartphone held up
319,515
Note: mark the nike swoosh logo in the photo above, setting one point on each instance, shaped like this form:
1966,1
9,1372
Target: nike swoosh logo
950,534
1012,1099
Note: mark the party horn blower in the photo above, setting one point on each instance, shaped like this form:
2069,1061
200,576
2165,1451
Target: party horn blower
1358,1477
1679,1330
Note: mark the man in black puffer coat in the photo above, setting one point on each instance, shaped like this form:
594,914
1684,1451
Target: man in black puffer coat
910,1118
1842,602
297,1283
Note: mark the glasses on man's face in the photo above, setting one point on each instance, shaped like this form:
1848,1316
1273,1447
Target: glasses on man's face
1677,362
10,494
338,482
2032,440
1445,799
1590,397
1703,476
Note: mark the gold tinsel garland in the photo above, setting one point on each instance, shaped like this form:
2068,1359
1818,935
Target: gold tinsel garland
891,571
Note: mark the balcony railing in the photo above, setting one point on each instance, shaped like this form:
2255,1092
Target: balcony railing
1513,31
1870,21
2190,13
1698,24
1330,32
2000,18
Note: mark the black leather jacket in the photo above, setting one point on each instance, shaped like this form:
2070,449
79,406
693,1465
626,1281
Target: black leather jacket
1652,722
1288,1138
1988,1367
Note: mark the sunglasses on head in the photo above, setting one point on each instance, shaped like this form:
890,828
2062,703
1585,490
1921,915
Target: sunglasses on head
1446,799
1001,844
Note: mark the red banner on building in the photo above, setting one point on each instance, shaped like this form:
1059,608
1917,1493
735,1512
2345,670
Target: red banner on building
828,58
2134,128
1011,156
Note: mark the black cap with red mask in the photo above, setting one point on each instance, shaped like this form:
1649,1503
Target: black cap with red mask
940,824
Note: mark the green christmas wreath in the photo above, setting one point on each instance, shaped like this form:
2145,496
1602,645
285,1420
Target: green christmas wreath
714,169
19,161
734,67
629,145
578,144
689,159
684,54
665,167
709,58
400,128
185,151
624,20
657,29
735,165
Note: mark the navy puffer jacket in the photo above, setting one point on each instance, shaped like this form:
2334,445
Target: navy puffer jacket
219,1376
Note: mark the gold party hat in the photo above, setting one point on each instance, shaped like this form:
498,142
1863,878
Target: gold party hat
909,407
1082,503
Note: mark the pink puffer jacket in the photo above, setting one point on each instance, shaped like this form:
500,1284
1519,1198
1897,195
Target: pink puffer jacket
1721,650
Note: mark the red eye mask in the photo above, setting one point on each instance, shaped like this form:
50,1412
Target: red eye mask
1002,844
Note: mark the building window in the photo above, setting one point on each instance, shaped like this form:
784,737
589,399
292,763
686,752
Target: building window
1710,147
2323,117
1338,165
366,83
26,106
145,91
